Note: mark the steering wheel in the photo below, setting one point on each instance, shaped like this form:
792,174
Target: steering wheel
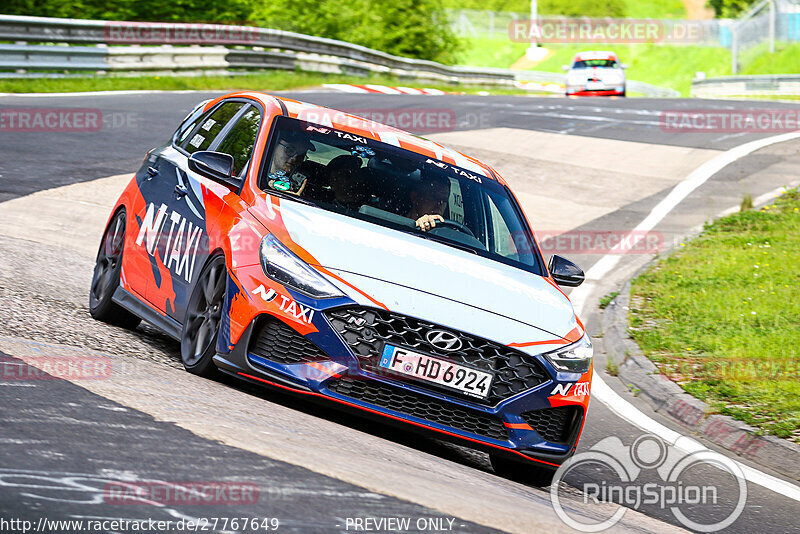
449,223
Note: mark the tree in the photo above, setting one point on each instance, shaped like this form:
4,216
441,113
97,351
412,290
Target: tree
412,28
729,8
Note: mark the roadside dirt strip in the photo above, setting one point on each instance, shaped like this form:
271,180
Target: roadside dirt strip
50,240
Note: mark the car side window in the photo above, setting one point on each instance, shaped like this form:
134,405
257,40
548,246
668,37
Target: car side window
189,123
240,140
210,127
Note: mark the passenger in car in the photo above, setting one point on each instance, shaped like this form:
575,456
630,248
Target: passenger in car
348,181
429,199
287,159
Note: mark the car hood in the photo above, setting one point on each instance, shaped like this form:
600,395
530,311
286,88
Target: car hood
402,271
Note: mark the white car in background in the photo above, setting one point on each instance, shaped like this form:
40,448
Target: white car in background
595,74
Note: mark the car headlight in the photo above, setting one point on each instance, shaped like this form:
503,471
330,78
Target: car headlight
575,358
281,264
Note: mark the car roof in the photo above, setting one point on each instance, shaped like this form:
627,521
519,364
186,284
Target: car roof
596,54
373,130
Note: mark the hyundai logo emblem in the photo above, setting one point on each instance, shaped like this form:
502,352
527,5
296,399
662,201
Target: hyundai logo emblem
443,340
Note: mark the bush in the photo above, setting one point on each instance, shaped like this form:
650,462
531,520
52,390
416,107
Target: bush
583,8
569,8
412,28
729,8
231,11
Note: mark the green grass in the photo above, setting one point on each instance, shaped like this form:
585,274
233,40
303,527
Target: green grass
655,9
265,81
722,316
785,60
661,65
605,301
500,52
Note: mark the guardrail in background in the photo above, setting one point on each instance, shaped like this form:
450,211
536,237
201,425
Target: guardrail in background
768,85
257,48
118,47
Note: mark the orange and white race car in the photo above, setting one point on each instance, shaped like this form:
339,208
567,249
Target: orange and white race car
332,257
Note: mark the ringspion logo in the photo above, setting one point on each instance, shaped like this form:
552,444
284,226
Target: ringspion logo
651,473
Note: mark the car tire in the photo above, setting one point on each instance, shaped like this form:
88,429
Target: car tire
106,277
538,475
203,319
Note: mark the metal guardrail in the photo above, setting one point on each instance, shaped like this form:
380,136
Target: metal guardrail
60,45
747,86
652,90
264,45
52,57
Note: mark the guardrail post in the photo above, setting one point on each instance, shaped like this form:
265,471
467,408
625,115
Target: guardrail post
772,15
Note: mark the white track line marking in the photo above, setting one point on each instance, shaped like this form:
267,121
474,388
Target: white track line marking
602,391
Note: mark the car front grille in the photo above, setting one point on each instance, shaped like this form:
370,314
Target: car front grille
556,425
365,330
420,406
277,342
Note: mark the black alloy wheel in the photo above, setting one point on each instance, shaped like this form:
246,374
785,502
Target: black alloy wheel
105,279
203,318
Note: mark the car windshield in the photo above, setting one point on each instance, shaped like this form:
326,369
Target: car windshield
383,184
592,63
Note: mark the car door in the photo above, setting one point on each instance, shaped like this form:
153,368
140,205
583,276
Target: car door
180,214
222,207
141,261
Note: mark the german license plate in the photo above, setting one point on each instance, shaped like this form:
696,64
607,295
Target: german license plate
459,377
594,86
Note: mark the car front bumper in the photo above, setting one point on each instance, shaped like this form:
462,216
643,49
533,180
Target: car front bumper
540,423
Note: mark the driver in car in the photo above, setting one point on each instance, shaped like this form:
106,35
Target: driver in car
429,200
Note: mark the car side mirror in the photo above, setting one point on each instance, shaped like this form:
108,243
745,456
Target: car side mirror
564,272
564,67
215,166
623,65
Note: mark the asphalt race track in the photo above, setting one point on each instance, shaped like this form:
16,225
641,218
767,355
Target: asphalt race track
587,164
